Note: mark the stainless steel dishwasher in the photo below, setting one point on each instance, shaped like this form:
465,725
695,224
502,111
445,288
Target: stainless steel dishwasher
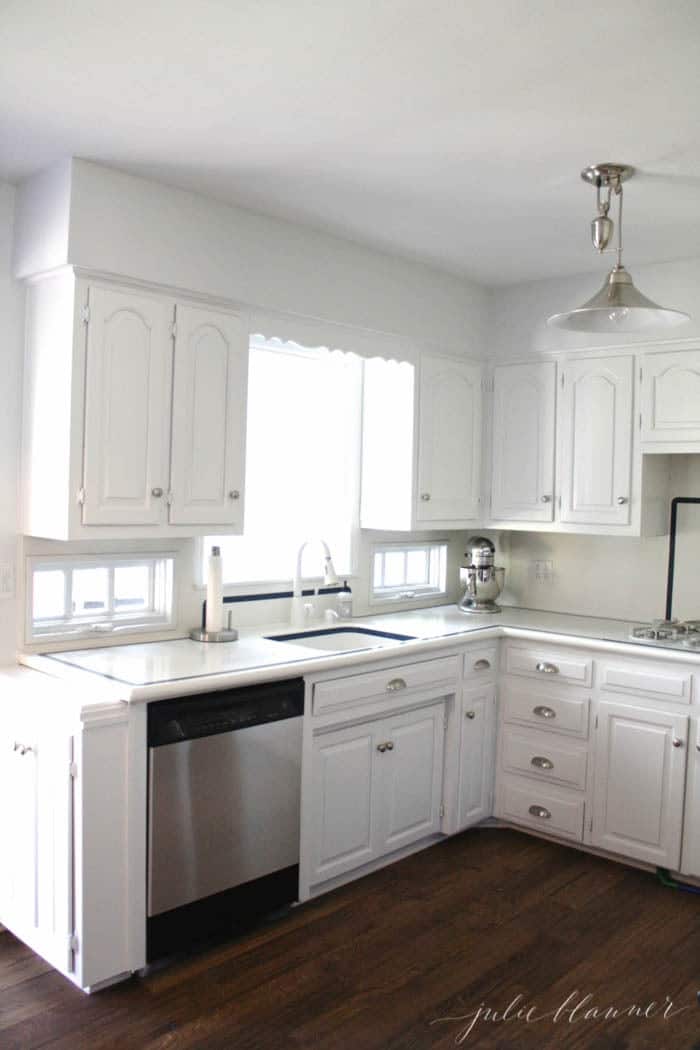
224,782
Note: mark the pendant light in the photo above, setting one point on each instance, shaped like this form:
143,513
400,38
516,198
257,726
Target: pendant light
618,306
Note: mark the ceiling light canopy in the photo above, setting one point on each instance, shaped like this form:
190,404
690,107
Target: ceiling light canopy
618,306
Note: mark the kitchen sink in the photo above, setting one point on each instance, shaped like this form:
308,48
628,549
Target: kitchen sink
342,639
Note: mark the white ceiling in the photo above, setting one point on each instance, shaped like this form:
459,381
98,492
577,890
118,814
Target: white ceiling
451,131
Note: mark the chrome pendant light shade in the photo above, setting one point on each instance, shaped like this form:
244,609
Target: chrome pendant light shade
618,306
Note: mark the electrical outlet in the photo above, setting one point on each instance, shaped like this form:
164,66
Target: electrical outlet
7,579
543,571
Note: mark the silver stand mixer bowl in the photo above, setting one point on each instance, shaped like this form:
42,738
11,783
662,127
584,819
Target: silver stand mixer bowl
482,579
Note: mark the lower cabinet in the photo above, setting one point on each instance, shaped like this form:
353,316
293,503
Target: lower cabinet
36,887
640,761
376,788
476,757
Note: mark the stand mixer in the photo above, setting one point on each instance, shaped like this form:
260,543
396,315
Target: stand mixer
482,579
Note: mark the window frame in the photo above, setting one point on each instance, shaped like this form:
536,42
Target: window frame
160,616
405,592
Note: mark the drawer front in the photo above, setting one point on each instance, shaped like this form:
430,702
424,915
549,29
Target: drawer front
655,682
548,710
539,663
481,663
387,683
545,756
545,807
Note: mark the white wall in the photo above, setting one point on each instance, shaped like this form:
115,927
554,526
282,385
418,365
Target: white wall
123,224
11,298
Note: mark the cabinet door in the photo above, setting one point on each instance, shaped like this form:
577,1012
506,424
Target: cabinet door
36,875
671,397
640,758
342,833
523,442
409,777
477,755
596,441
449,441
209,418
127,408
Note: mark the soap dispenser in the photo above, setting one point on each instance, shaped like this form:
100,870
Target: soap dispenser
344,602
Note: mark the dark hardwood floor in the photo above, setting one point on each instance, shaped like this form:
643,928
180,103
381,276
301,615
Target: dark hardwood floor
401,960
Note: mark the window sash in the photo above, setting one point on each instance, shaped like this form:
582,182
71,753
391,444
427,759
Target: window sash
158,608
410,586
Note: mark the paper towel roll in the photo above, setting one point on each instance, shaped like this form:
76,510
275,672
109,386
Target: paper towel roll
215,592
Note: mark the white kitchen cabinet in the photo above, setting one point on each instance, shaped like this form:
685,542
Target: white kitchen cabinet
374,788
639,777
477,755
690,855
410,777
127,408
134,424
449,442
343,809
522,483
209,401
595,428
36,875
421,444
670,387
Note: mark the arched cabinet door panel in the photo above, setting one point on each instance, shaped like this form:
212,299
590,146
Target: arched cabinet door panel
449,441
127,407
209,416
671,397
523,442
595,422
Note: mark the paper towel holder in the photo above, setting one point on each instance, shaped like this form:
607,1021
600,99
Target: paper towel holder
226,634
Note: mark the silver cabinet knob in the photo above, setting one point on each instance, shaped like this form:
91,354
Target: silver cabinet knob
544,712
234,494
546,499
541,763
482,665
389,745
425,496
622,500
470,714
157,492
395,684
540,812
677,742
545,668
381,747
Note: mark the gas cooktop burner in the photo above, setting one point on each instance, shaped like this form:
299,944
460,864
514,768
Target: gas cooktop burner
682,632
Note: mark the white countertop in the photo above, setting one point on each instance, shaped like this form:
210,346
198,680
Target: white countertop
155,670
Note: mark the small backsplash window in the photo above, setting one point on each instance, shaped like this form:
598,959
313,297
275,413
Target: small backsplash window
406,572
83,595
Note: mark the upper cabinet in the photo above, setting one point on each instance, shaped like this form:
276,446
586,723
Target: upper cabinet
449,442
595,420
421,444
670,388
135,416
522,487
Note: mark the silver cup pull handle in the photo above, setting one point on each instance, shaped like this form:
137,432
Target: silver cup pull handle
395,684
546,668
540,812
544,712
539,762
482,665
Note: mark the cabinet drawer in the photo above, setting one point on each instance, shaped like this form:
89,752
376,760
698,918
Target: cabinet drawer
546,710
545,807
538,663
389,682
655,682
481,663
544,756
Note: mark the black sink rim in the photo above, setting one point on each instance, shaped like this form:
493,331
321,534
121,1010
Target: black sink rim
369,631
